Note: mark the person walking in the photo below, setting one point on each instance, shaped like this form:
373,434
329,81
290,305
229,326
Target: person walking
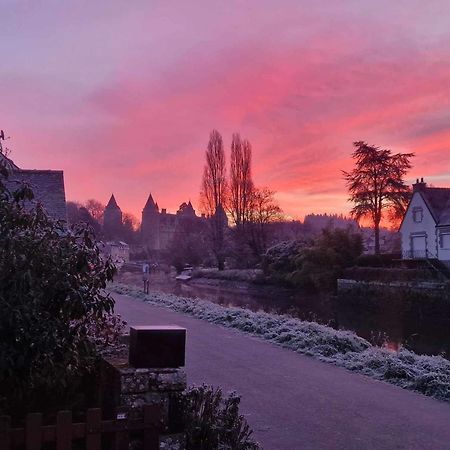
146,276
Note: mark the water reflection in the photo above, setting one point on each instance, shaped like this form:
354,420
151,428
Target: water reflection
385,325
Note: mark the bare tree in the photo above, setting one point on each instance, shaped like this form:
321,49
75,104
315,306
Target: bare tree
130,224
263,210
96,209
376,184
213,190
130,221
213,193
241,184
73,212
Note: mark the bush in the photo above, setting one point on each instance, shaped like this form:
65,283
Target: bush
213,422
315,266
53,309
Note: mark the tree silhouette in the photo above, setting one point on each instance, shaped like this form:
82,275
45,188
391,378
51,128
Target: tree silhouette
213,194
376,184
241,184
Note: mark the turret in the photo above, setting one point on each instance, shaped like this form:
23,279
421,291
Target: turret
186,210
150,224
112,219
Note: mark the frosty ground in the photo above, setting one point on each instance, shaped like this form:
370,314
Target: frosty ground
294,401
429,375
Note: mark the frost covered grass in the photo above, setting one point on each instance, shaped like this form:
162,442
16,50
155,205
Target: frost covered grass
429,375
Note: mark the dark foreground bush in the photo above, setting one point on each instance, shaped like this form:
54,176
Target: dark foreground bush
213,421
53,309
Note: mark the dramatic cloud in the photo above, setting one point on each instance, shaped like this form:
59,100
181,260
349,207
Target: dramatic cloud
123,96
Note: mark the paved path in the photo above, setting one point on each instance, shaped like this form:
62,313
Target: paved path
295,402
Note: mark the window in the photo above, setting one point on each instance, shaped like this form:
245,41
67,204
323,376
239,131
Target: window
445,241
417,214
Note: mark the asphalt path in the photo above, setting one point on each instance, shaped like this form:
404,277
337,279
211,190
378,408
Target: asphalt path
295,402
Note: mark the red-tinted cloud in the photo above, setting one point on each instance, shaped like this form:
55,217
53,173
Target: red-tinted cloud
301,82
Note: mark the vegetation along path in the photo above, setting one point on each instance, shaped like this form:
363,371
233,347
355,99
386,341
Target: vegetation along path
293,401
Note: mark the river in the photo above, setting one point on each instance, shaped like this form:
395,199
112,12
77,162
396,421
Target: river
385,324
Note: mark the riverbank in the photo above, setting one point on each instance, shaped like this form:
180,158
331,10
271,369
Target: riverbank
429,375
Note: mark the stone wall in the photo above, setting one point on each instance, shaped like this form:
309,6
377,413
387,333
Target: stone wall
430,286
127,389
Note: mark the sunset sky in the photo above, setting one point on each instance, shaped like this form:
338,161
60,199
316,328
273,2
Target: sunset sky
122,95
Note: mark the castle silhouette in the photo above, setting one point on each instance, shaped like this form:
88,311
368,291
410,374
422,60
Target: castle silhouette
158,227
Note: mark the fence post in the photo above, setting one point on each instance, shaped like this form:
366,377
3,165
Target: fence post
64,430
5,432
121,435
93,429
152,425
151,375
33,431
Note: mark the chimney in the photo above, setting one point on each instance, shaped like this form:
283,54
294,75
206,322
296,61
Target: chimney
419,186
163,211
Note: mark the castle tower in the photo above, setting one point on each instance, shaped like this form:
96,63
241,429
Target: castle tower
112,219
186,210
221,216
150,225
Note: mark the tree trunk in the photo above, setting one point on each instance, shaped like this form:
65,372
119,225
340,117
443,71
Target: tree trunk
377,238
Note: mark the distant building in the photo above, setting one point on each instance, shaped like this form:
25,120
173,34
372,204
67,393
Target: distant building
118,251
317,222
47,186
158,227
112,219
425,227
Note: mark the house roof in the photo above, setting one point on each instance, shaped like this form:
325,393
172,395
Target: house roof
47,186
438,202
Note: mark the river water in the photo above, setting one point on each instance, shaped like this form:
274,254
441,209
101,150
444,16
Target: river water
384,324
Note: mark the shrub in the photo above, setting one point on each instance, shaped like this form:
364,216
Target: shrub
213,421
315,266
52,304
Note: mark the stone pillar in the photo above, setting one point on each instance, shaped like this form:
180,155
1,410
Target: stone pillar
128,388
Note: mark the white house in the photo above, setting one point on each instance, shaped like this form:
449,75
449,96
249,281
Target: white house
425,228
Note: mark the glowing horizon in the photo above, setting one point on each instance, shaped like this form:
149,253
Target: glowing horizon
123,98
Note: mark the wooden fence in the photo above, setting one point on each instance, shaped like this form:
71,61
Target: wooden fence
89,435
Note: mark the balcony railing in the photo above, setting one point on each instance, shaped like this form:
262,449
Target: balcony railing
418,254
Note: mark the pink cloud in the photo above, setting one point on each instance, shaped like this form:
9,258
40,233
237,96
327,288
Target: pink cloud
300,83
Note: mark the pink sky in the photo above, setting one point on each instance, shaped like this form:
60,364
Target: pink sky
122,95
